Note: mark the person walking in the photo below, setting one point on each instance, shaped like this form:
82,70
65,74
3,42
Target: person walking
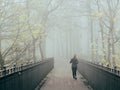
74,62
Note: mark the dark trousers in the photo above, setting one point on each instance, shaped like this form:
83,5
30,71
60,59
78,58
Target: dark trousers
74,69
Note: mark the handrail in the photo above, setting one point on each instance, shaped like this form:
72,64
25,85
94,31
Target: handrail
8,71
25,77
100,77
115,70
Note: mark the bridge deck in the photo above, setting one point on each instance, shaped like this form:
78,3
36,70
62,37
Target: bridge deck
61,79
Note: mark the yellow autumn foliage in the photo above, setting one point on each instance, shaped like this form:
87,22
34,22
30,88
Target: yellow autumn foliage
97,14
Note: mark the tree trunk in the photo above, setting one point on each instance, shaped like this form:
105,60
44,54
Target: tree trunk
34,55
109,48
91,30
103,41
92,47
1,58
1,61
113,45
41,50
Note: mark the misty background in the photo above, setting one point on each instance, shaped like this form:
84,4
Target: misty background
31,30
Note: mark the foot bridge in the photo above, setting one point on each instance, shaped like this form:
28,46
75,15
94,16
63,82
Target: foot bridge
49,75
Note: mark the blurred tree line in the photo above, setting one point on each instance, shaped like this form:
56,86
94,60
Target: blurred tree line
23,31
104,20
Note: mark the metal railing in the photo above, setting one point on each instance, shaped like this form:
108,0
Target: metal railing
25,77
100,77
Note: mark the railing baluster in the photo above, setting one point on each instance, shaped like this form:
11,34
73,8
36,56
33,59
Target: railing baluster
99,76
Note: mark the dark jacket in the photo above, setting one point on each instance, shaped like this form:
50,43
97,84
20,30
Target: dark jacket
74,62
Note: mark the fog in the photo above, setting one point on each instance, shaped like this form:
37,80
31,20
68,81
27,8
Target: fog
68,34
32,30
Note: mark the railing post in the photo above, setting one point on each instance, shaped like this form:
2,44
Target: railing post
115,69
21,66
4,71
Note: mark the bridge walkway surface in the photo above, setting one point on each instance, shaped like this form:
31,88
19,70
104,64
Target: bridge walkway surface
60,78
